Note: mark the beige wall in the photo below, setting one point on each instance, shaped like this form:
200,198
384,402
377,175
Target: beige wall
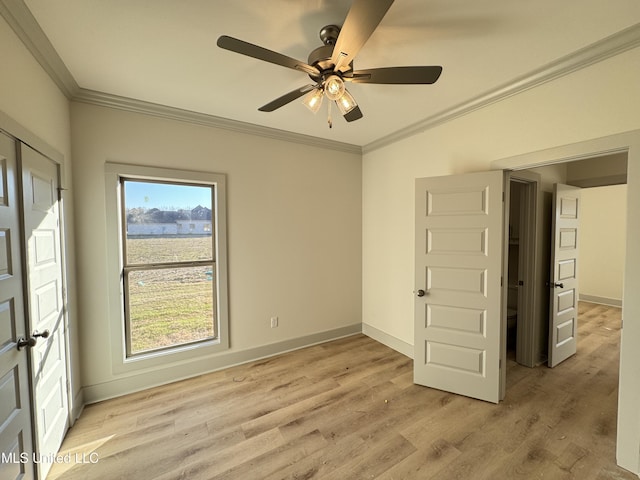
603,225
600,171
294,233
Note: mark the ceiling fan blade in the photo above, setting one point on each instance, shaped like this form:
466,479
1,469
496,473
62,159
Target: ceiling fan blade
286,98
353,115
397,75
362,19
251,50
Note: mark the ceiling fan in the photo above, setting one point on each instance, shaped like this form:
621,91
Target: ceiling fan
331,65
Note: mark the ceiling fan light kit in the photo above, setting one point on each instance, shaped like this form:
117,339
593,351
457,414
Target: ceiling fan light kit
346,103
313,100
331,65
333,87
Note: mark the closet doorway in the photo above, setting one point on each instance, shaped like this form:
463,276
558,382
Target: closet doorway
532,286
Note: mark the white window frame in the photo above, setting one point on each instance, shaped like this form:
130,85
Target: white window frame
114,172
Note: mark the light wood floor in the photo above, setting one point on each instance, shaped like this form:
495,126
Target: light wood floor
348,410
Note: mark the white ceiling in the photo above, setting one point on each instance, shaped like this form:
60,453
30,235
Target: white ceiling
164,52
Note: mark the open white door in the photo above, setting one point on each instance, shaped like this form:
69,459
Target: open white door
459,238
16,444
45,301
563,321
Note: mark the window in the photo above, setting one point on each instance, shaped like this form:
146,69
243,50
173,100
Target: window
169,297
172,262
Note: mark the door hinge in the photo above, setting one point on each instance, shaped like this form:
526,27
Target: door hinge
499,364
503,196
501,281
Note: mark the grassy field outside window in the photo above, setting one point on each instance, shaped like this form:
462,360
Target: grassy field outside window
170,306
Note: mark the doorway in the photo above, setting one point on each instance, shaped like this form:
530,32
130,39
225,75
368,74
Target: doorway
34,386
523,294
514,265
628,145
527,256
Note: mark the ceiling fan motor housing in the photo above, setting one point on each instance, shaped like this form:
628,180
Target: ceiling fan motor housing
329,34
321,56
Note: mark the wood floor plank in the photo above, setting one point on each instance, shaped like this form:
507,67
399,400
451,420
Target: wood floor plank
278,458
477,462
348,409
208,459
303,412
424,463
322,463
377,459
342,418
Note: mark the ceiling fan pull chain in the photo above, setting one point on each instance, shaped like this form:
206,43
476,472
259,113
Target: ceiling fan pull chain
329,115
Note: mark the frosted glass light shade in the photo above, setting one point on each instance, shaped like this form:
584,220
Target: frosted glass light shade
313,100
346,103
334,87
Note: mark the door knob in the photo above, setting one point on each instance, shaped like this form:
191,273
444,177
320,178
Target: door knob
26,342
421,293
44,334
558,285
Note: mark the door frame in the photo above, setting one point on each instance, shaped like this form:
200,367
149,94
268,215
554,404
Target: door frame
529,243
628,425
22,134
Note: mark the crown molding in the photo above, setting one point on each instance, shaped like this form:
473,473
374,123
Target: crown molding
615,44
153,109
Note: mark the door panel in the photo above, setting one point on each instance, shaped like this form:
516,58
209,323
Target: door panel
16,443
45,300
563,319
459,224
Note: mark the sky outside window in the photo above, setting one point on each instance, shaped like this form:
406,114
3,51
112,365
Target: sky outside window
166,196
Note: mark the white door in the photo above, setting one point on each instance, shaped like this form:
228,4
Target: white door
45,301
459,238
563,321
15,404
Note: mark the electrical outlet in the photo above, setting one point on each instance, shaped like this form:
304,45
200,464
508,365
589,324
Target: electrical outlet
274,322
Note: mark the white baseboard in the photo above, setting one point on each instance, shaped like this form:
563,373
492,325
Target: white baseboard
77,406
390,341
141,381
614,302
